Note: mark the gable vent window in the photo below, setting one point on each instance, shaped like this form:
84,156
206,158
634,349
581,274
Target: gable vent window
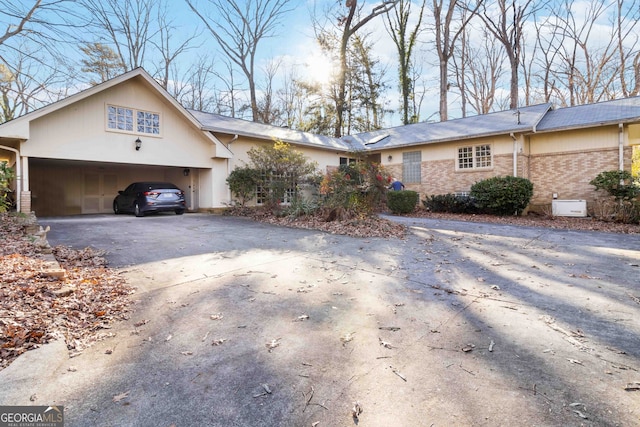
475,157
411,162
130,120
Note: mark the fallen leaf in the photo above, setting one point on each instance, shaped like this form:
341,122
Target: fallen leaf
356,410
385,344
347,337
273,344
119,397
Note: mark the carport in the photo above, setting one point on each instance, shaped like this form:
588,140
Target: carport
65,187
73,156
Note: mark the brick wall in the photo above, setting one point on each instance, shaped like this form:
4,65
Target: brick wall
441,176
569,173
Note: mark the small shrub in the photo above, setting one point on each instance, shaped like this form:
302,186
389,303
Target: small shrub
402,202
358,188
619,184
610,209
302,206
508,195
451,203
242,182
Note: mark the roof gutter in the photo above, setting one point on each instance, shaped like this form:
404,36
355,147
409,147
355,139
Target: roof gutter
18,174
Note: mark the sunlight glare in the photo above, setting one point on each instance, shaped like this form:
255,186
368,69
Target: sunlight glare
319,68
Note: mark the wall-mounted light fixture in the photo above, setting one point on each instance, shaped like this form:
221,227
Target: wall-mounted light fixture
390,158
138,144
186,171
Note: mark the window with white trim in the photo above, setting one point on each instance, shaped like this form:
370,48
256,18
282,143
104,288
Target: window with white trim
130,120
475,157
411,167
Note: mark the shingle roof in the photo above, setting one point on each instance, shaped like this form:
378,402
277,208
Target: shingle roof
500,123
217,123
590,115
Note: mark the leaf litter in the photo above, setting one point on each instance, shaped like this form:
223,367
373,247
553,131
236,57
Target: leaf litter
36,309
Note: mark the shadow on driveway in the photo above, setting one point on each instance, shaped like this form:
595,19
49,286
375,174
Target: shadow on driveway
242,323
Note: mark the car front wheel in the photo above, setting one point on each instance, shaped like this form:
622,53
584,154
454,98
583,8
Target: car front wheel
137,211
116,208
179,211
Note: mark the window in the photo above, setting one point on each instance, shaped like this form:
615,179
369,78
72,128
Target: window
411,165
347,161
275,183
129,120
475,157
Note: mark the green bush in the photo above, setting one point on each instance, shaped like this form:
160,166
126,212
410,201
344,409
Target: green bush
506,195
6,175
242,182
402,202
452,203
620,184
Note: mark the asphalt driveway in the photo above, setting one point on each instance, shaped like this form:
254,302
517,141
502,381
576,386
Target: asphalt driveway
247,324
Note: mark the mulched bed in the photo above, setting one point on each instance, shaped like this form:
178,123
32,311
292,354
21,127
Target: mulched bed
380,227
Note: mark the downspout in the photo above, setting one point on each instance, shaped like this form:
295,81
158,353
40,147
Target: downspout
620,146
18,175
515,154
229,165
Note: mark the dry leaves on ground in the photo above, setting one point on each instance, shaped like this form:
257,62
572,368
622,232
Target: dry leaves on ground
35,309
379,227
372,226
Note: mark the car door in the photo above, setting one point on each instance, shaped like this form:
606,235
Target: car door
128,197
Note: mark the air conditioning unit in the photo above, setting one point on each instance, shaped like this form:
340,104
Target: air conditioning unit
569,208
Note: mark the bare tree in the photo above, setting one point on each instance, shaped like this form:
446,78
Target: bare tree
587,70
238,27
483,67
127,25
15,10
506,26
33,39
165,47
27,85
627,18
545,55
267,108
405,41
446,37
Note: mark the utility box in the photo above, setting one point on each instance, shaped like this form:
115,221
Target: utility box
569,208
